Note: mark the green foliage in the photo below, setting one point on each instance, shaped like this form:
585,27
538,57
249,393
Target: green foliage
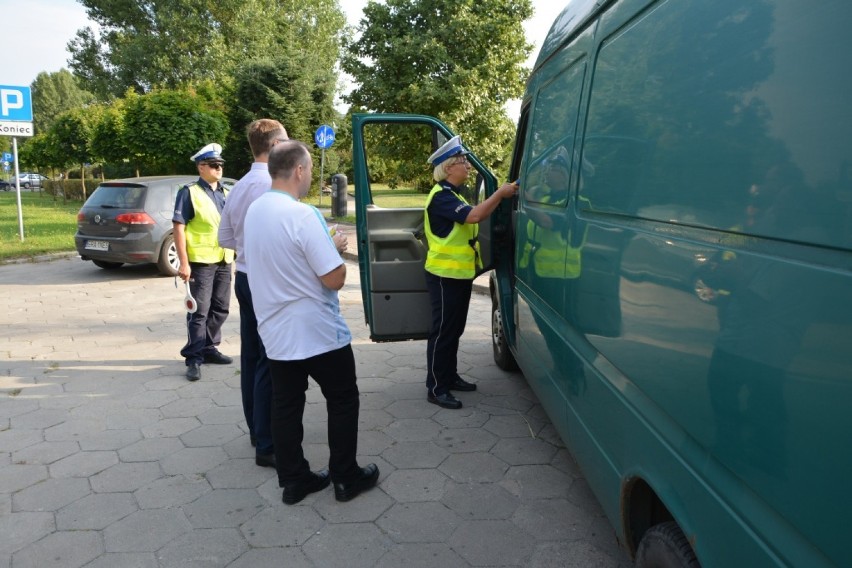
164,128
108,142
53,94
459,60
146,44
72,132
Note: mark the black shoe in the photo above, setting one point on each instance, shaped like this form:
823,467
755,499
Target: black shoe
193,372
217,358
445,401
295,492
367,479
253,441
265,460
462,385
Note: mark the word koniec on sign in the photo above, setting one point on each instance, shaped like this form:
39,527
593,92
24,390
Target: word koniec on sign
16,128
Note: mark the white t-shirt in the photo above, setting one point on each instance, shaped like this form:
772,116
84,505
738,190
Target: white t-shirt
287,249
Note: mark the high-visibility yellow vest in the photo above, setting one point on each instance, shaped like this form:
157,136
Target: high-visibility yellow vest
553,255
202,231
457,254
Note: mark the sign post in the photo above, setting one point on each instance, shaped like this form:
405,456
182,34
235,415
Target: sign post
324,137
16,119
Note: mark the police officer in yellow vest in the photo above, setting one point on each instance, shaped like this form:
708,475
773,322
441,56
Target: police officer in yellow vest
451,263
207,266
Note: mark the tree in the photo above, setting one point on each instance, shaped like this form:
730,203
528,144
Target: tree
146,44
72,132
109,143
458,60
53,94
162,129
295,91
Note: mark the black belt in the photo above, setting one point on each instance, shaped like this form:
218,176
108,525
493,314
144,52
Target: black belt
220,263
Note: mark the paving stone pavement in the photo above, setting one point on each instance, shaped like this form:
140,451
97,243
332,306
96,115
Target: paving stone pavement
109,457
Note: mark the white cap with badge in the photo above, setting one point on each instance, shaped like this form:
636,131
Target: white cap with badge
452,147
211,152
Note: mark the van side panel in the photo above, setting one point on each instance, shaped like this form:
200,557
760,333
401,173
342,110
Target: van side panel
694,328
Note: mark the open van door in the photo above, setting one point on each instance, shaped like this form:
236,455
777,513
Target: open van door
392,182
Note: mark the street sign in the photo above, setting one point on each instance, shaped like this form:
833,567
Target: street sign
324,136
7,157
10,128
16,104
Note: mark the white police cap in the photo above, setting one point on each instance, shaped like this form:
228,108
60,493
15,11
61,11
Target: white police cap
210,152
452,147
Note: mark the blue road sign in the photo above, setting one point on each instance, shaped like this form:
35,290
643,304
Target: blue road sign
324,136
16,104
7,157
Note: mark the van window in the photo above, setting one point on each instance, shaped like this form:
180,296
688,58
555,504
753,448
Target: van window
708,125
552,147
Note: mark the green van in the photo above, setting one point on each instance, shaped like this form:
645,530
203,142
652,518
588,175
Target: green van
675,277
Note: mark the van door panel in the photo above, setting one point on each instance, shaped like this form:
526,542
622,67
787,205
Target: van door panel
392,149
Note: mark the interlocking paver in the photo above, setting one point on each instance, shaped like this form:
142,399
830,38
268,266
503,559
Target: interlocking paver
50,494
61,549
45,452
419,522
109,457
207,548
278,526
96,512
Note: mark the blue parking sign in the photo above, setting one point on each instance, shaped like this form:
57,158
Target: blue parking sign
7,157
16,103
324,136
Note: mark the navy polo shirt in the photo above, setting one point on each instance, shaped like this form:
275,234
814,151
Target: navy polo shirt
446,209
184,211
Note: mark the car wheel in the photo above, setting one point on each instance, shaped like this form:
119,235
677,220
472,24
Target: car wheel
502,356
107,265
168,262
665,546
26,185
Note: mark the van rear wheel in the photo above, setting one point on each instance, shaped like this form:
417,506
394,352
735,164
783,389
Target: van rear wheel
665,546
502,356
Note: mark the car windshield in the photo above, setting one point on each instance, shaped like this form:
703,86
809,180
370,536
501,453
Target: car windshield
121,197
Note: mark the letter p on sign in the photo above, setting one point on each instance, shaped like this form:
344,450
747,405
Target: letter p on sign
15,103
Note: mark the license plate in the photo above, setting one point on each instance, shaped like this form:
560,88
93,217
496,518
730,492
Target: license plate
97,245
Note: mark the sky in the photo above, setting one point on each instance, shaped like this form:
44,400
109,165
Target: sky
36,32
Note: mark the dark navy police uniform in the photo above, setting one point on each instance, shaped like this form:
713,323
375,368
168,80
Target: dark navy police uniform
210,285
450,297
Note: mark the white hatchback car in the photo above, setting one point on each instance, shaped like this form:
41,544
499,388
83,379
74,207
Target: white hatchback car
28,180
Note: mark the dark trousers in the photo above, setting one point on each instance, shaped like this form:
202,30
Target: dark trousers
255,380
450,299
334,372
210,285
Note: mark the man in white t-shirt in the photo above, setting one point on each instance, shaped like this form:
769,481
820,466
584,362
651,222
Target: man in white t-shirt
295,271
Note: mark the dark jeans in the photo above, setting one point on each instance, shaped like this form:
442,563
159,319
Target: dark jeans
210,285
334,372
255,379
450,299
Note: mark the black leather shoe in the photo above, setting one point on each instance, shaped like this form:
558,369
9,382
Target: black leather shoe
295,492
367,479
462,385
445,401
193,372
265,460
217,358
